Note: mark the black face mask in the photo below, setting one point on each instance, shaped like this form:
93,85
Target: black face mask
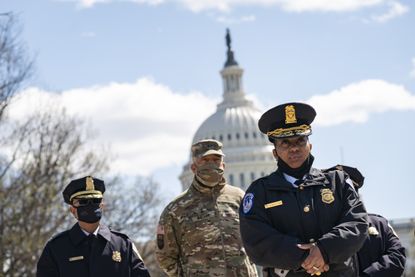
90,213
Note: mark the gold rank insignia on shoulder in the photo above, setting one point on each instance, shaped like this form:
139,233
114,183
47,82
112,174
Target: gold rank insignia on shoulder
77,258
273,204
116,256
327,196
372,231
290,114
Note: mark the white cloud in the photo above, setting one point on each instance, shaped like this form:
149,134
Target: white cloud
88,34
91,3
288,5
395,9
235,20
412,73
147,125
357,101
227,5
326,5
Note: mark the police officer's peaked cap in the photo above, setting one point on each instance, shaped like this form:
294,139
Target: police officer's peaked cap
287,120
207,147
86,187
354,174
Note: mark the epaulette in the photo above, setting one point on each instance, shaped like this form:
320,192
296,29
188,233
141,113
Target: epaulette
59,235
261,179
377,215
120,234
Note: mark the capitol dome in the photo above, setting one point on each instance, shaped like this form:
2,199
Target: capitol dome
235,124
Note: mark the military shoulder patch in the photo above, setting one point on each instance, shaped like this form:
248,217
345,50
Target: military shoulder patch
160,236
248,202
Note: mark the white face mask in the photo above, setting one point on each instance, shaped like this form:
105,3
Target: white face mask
210,174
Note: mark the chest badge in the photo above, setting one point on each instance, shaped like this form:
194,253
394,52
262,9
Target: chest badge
116,256
327,196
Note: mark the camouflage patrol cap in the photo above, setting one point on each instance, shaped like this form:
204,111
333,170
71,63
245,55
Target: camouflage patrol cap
86,187
206,147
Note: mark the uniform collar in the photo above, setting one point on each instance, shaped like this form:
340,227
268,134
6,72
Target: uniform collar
104,232
315,177
77,235
95,232
196,185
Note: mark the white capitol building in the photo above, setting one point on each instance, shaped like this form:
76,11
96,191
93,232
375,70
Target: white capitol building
235,124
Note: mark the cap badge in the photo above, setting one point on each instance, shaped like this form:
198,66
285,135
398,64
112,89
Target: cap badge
327,196
116,256
90,183
290,114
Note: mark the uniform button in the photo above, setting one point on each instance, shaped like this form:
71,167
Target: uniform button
307,208
301,187
312,240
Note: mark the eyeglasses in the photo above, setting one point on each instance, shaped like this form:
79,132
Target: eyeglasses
80,202
285,144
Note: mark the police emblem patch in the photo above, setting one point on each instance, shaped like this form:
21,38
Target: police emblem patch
116,256
247,203
327,196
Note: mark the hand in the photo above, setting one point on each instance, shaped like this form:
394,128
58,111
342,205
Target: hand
314,264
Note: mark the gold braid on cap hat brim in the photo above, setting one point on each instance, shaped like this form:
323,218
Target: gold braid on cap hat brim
87,194
293,131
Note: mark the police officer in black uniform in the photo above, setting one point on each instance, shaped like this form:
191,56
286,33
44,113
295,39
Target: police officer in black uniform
89,249
382,254
299,221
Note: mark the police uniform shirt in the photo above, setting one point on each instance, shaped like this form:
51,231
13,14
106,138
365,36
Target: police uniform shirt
275,216
72,253
382,254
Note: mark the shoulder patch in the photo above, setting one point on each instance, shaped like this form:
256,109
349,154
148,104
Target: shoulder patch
248,202
160,236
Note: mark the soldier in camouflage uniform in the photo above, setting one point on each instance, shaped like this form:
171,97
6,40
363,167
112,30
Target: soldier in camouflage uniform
198,232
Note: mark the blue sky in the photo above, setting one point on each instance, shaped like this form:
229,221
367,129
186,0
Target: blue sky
145,74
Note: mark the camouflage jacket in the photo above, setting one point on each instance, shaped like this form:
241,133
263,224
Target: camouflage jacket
198,234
